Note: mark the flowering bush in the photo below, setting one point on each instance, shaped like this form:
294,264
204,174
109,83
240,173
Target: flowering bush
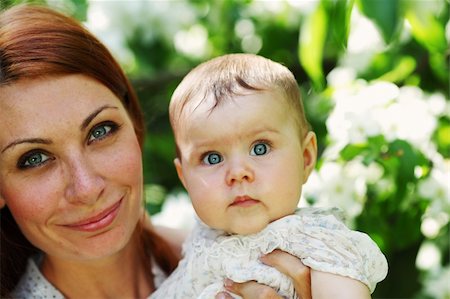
382,167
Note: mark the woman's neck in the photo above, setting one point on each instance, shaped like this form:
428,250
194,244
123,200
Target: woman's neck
122,275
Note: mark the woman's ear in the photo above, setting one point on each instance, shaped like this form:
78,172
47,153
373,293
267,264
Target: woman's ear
179,169
309,154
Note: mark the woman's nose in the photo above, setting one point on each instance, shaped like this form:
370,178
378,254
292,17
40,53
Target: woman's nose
84,184
239,171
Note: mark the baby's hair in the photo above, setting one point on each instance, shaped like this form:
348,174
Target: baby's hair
231,75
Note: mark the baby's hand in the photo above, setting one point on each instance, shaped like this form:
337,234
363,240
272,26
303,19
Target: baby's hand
248,290
283,262
293,267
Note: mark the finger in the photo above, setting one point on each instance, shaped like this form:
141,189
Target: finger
223,295
293,267
251,289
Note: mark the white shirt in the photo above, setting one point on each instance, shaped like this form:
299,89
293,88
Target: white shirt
33,285
316,236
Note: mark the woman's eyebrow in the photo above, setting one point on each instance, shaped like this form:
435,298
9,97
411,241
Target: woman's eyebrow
91,116
26,140
83,126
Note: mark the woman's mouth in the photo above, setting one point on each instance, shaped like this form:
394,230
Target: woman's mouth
99,221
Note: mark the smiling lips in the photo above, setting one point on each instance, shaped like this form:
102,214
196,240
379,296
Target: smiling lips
99,221
244,201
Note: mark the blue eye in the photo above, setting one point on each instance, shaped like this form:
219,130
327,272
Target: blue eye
32,159
260,149
212,158
100,132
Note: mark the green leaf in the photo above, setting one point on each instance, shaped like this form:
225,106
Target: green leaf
385,15
350,151
426,28
404,153
401,71
408,158
154,196
81,8
442,137
439,64
312,40
339,13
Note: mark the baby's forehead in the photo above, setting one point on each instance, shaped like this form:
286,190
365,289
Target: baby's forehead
201,107
210,101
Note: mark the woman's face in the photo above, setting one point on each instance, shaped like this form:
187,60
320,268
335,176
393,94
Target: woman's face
70,166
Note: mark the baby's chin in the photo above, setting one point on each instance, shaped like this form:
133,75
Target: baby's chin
249,228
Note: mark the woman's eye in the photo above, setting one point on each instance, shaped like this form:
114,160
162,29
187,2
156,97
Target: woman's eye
260,149
212,158
33,159
100,132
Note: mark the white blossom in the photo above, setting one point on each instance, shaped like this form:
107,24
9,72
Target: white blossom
437,283
364,41
338,185
428,257
436,188
341,77
177,212
113,23
193,42
357,110
366,109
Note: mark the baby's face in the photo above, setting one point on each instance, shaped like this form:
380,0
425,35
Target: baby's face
244,163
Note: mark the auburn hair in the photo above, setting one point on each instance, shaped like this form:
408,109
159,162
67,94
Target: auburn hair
35,42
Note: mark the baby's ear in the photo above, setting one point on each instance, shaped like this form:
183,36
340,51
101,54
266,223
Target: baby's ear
2,202
179,169
309,154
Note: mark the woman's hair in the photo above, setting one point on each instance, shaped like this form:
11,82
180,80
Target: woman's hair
39,42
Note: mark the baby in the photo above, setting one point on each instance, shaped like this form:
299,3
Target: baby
244,150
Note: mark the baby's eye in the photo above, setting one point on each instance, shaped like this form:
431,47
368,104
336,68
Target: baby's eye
260,149
32,159
212,158
101,131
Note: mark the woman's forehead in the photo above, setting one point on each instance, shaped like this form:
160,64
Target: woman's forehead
53,90
32,106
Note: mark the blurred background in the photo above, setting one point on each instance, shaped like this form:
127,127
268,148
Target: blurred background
374,75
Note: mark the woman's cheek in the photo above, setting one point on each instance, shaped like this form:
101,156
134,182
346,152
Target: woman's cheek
124,161
33,200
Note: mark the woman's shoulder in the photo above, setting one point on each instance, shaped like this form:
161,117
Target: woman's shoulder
34,285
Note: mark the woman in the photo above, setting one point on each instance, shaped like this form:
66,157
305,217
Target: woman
72,219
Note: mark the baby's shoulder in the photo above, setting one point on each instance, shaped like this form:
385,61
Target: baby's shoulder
332,218
321,212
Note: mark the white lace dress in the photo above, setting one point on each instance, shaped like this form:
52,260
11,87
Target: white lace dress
33,285
317,236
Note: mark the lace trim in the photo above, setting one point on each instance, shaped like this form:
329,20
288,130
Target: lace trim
317,236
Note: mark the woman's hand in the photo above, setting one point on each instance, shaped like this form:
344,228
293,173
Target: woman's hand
283,262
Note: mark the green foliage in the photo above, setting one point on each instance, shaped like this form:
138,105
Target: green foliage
80,9
385,14
313,40
75,8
